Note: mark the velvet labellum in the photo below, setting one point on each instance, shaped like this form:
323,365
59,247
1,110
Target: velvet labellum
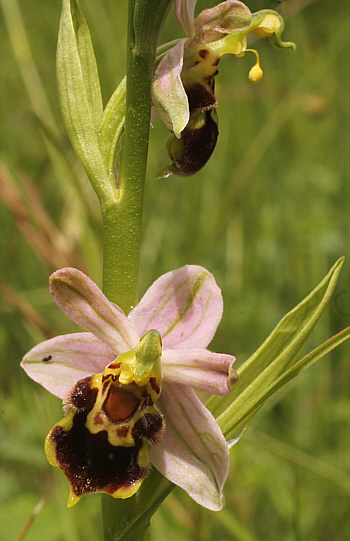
197,143
192,150
102,443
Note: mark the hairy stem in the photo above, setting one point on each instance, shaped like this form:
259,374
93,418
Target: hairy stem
122,218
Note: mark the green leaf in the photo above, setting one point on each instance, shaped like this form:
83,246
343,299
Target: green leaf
80,95
112,125
244,417
309,360
261,372
88,64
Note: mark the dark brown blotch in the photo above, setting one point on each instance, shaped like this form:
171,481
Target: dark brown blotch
83,397
200,98
198,146
203,53
149,427
91,463
105,386
98,419
154,385
122,431
114,365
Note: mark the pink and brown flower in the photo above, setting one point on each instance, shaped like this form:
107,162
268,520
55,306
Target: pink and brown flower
127,386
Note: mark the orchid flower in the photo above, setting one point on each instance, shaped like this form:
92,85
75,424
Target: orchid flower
183,86
127,386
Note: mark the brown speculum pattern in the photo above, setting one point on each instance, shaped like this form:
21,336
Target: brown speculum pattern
101,445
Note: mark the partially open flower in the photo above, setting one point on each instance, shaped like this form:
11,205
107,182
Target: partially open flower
127,387
183,86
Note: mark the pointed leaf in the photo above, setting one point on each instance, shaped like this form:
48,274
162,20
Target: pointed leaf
234,426
80,94
279,351
88,64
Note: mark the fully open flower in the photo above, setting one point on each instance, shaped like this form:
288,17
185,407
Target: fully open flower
127,386
183,86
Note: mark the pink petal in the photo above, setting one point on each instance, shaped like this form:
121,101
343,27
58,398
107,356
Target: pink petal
168,93
85,304
184,305
57,364
184,11
193,453
199,368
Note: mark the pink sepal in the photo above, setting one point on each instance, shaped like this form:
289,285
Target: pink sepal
193,453
185,306
57,364
85,304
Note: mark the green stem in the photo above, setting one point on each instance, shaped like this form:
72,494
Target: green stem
122,218
128,520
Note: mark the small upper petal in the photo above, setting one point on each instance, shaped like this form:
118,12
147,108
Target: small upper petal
185,306
168,93
85,304
199,368
193,453
184,10
57,364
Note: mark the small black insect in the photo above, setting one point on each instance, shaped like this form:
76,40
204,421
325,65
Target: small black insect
47,359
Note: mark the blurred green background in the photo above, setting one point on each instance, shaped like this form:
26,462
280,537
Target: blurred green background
268,216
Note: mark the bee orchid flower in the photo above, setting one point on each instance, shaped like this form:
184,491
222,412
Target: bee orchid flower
128,383
183,87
